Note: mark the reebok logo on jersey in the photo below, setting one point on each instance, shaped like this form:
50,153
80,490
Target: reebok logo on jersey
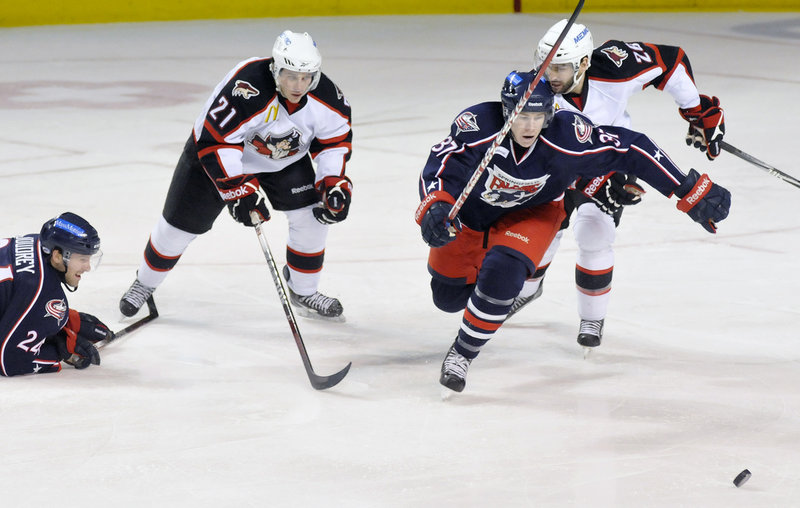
615,54
244,89
518,236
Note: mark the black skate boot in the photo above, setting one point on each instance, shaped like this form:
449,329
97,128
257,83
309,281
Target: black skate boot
590,333
454,370
316,305
134,298
522,301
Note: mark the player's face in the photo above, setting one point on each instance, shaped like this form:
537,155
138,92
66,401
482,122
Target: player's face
560,77
78,265
294,85
526,127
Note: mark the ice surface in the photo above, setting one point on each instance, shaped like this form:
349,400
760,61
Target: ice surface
697,377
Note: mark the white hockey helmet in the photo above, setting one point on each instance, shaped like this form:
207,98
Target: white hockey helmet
576,45
296,52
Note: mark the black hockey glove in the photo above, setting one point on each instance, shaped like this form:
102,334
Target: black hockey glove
432,213
243,194
612,191
92,328
706,202
706,125
74,349
335,196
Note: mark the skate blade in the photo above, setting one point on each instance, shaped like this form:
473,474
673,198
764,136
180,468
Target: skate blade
303,312
587,352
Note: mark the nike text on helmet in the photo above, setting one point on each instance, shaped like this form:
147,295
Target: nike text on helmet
576,45
541,100
296,52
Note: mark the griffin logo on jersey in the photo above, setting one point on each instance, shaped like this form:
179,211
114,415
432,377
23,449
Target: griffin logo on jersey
278,147
615,54
244,89
466,122
505,191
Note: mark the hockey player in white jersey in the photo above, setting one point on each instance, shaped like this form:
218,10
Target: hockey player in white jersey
254,142
599,82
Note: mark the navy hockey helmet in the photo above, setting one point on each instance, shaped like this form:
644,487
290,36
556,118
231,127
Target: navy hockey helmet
541,100
71,234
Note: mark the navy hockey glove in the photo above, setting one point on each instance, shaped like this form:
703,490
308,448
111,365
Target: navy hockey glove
335,194
91,328
243,194
431,215
74,349
612,191
706,202
706,125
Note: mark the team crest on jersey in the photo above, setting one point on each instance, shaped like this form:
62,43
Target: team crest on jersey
615,54
278,147
466,122
244,89
583,131
56,309
505,191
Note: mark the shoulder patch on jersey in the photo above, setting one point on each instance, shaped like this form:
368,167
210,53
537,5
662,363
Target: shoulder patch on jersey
244,89
466,122
56,309
615,54
583,131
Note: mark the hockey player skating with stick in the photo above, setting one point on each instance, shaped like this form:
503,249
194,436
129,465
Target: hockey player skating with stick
38,329
255,141
599,82
480,261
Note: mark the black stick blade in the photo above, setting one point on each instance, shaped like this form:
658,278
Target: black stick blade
325,382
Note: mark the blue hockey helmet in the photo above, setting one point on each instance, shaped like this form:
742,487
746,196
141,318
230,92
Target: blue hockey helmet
71,234
541,100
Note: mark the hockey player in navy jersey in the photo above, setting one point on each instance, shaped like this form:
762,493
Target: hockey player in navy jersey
599,82
255,141
479,262
38,330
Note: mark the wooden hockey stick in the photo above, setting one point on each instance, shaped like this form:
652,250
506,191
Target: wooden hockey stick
513,116
151,306
317,381
763,165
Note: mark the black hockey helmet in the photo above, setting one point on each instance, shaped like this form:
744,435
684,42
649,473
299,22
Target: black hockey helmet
71,234
514,88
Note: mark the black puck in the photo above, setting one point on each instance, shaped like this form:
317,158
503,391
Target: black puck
741,478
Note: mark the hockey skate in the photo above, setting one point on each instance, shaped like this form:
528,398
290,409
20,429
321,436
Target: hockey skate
454,370
134,298
522,301
316,306
590,334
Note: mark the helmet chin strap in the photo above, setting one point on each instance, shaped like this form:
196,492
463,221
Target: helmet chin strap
577,79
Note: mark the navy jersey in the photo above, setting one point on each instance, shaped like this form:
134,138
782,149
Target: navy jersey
248,127
518,178
33,306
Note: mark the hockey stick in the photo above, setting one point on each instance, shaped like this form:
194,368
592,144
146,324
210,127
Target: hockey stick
318,382
151,306
763,165
513,116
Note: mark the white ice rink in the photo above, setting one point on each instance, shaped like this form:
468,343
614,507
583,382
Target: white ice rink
697,379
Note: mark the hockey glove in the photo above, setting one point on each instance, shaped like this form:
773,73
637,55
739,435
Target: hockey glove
706,125
74,349
243,194
431,215
335,194
90,328
612,191
706,202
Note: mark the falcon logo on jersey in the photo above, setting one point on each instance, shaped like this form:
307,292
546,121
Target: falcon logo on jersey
56,309
244,89
278,147
615,54
583,131
505,191
466,122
